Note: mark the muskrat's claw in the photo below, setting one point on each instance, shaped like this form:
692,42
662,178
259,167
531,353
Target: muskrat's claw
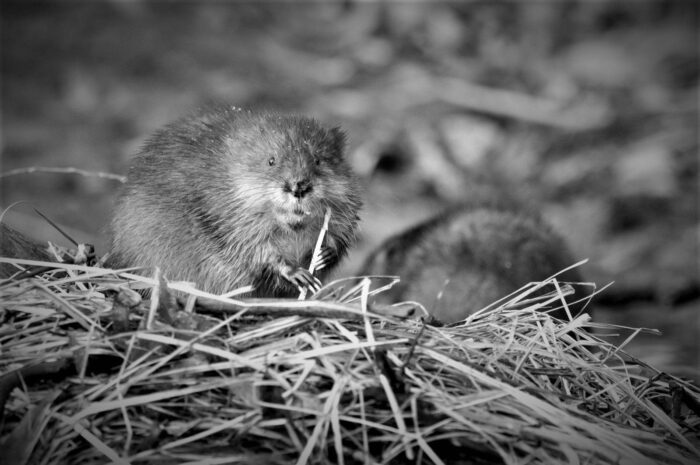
303,279
326,258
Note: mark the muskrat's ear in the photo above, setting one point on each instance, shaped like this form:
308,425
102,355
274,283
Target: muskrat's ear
338,139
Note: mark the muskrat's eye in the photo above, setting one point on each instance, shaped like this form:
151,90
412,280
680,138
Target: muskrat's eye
317,160
271,161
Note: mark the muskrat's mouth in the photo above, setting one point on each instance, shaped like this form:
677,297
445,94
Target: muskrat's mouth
295,216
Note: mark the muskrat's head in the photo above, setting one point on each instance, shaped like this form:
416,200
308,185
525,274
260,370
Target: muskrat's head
291,168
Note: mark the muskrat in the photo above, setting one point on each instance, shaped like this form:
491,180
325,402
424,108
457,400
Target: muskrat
469,257
226,198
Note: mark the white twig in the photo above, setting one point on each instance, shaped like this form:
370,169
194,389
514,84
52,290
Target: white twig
317,250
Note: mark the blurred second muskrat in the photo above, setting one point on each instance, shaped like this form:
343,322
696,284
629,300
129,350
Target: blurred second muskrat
226,198
469,257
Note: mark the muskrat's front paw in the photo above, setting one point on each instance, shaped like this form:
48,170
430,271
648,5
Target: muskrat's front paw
302,278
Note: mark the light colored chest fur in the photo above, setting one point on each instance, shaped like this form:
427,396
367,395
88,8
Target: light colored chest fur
295,247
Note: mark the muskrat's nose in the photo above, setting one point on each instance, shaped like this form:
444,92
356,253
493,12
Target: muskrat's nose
300,188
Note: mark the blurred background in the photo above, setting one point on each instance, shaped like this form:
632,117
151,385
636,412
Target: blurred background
587,109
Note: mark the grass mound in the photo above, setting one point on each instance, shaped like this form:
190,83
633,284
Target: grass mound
92,373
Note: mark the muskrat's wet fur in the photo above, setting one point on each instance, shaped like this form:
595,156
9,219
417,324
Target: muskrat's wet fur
469,257
226,198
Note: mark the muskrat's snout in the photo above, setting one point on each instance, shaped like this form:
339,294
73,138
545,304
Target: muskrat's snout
298,188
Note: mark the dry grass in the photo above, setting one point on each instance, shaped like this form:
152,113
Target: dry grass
102,377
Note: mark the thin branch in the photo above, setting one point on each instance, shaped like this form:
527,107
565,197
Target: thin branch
581,116
310,308
61,170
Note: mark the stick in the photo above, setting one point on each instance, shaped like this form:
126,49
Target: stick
521,106
317,250
308,308
50,169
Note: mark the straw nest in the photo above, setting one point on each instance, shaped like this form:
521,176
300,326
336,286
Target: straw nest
93,373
